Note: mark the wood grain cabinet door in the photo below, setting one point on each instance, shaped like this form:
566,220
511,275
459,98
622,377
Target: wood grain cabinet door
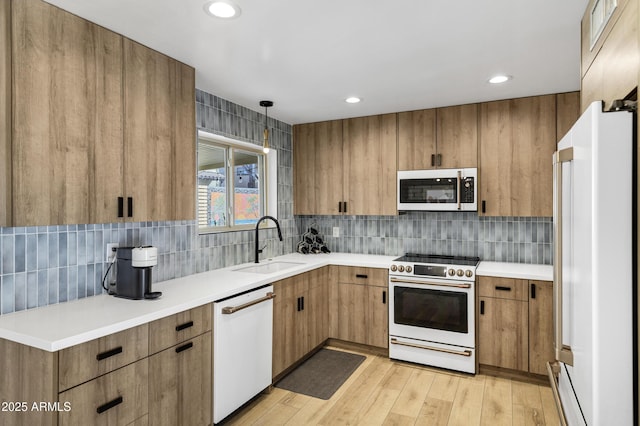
377,317
517,140
352,312
180,384
5,114
317,167
540,326
503,333
67,150
369,145
457,136
149,98
417,140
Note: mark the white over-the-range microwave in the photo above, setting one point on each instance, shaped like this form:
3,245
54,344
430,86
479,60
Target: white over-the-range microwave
438,190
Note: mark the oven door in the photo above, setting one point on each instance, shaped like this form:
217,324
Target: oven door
433,310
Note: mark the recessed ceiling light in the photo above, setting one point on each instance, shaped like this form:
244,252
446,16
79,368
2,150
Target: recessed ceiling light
222,9
352,100
499,79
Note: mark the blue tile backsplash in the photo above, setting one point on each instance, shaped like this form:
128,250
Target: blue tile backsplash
51,264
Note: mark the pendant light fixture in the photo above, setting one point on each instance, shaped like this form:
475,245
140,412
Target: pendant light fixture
265,142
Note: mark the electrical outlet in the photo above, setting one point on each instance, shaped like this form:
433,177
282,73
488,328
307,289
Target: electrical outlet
111,252
336,231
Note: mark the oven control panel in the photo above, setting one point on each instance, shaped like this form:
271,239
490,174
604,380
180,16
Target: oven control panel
433,270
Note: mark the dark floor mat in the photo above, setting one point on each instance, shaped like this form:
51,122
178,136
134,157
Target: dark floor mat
322,374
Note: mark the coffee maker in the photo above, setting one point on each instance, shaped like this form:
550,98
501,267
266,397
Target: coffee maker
133,274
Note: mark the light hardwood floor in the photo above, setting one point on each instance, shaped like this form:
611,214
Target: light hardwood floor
386,392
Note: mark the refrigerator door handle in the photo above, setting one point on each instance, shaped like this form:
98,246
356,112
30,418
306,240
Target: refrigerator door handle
563,352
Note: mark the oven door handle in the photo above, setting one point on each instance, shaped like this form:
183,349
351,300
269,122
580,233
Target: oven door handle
410,281
430,348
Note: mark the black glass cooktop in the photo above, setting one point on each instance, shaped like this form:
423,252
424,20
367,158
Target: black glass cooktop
439,259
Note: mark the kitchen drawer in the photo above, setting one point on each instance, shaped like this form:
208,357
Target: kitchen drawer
367,276
170,331
86,361
503,288
118,398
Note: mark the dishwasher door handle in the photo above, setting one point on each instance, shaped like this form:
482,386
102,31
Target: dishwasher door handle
227,310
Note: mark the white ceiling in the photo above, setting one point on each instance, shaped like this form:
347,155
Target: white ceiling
398,55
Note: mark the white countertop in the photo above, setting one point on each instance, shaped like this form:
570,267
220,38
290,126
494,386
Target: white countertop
515,270
60,326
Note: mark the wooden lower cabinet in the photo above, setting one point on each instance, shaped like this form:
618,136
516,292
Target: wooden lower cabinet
180,388
540,326
359,303
300,317
117,398
502,333
515,324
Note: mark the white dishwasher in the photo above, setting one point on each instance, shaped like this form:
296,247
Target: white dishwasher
242,348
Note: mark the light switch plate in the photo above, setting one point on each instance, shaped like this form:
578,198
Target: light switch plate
336,231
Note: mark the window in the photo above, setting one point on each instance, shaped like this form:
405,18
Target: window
232,183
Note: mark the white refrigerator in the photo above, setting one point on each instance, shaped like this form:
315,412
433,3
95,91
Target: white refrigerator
593,376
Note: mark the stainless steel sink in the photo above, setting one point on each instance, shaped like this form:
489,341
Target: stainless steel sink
269,267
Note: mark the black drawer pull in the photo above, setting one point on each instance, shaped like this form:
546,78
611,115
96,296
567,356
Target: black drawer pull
501,288
184,347
384,297
109,354
299,303
302,303
101,409
129,206
183,326
533,291
345,206
339,206
482,307
484,206
362,276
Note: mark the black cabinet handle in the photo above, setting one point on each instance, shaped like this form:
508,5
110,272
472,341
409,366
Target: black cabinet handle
109,354
433,160
339,206
129,206
533,291
362,276
484,206
184,347
501,288
299,303
184,326
384,297
101,409
302,304
120,206
482,307
345,206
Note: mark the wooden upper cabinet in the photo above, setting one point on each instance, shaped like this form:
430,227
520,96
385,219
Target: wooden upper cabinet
417,140
150,87
369,145
457,136
159,136
76,66
184,144
438,138
568,112
5,114
317,170
517,140
611,67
